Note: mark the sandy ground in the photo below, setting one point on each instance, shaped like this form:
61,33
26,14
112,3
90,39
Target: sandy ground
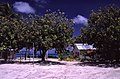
67,70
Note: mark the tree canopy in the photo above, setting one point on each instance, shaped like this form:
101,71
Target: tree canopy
9,26
103,31
52,30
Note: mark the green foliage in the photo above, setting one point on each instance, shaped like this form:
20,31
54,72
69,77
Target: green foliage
52,30
103,31
63,55
77,39
5,9
9,23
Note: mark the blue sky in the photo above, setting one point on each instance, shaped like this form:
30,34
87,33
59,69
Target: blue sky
78,10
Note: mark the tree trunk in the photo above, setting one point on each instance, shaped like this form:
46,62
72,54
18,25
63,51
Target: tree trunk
35,51
20,56
43,55
39,56
25,54
5,56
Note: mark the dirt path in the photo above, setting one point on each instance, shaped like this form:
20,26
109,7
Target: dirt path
68,70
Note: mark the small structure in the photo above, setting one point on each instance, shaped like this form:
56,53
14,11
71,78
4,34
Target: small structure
8,54
83,48
12,54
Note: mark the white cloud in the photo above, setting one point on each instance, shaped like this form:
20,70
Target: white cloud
80,20
23,7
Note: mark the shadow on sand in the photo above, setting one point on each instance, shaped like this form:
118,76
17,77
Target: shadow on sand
99,64
47,62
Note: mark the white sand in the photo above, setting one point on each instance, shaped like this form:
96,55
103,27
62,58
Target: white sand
68,71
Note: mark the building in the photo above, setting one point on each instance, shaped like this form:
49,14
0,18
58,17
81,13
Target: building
83,48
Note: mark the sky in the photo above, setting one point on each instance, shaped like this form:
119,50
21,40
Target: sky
78,10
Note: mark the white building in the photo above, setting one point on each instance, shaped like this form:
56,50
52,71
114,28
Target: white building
79,48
